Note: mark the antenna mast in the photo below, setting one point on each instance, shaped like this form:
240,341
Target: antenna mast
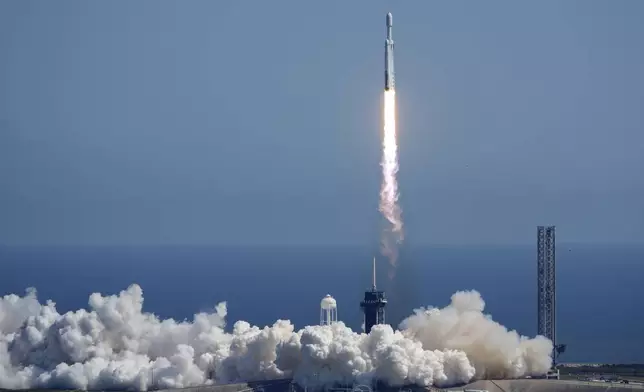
374,274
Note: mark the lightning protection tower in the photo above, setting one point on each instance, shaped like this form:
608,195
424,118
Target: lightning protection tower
328,310
373,304
546,293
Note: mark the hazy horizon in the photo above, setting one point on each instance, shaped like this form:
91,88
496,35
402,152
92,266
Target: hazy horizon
179,281
561,246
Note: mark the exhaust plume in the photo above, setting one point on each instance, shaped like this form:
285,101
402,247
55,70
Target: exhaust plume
393,233
116,345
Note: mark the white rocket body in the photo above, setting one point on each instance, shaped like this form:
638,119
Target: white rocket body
389,57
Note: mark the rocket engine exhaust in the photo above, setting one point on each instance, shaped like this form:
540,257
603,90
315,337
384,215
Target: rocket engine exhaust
392,235
116,345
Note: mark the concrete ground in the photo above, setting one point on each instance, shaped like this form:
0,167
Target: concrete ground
524,385
548,385
283,385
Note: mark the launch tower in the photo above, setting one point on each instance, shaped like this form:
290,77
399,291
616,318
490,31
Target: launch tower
373,304
546,289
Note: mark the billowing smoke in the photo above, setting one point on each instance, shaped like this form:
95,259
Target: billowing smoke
393,232
115,345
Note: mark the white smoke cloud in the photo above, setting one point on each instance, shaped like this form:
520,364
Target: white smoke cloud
115,345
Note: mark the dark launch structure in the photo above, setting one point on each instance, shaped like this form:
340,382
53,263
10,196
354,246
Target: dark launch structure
546,287
373,304
546,281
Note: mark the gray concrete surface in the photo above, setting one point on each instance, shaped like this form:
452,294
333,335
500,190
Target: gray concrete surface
525,385
282,385
547,386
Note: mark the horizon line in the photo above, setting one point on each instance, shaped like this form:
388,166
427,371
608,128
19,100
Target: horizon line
310,245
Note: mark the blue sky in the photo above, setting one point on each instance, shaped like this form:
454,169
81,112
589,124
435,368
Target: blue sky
249,123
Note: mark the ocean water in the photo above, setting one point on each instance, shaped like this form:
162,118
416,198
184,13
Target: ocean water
600,289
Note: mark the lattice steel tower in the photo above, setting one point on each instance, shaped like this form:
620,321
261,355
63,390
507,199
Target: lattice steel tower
546,293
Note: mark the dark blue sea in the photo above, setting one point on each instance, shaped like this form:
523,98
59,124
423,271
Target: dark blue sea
600,289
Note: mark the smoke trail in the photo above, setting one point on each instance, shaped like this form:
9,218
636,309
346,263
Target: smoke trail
393,234
115,345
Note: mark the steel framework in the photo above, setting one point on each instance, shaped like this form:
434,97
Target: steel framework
546,290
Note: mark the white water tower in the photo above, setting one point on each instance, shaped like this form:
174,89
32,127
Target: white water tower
328,311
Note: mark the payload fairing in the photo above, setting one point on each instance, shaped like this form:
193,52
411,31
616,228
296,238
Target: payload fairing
389,57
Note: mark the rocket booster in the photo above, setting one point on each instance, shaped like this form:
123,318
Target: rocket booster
389,57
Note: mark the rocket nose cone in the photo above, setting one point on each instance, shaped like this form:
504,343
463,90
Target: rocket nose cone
389,19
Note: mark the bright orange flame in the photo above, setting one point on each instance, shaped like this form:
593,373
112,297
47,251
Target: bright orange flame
389,188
